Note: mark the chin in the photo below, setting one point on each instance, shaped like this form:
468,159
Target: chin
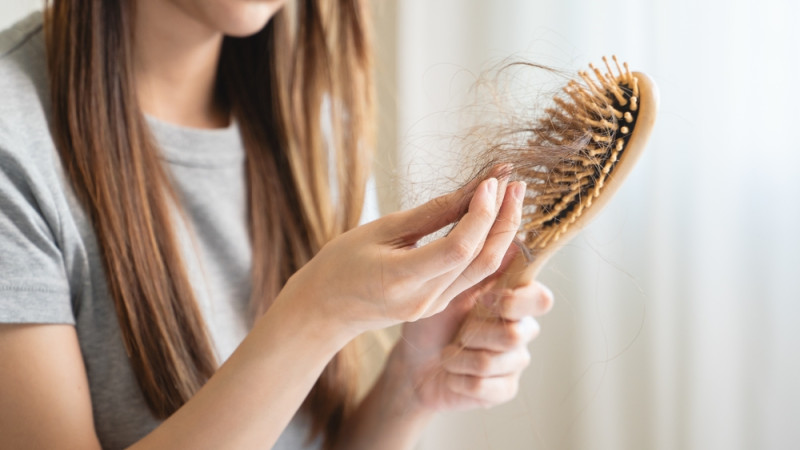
246,17
237,18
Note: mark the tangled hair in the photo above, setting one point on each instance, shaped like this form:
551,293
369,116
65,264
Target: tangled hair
275,83
564,150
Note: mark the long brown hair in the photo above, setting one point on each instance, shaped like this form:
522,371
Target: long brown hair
305,186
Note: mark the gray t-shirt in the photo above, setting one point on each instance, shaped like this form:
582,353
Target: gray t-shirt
50,270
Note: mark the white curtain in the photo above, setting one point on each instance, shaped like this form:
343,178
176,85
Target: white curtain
677,324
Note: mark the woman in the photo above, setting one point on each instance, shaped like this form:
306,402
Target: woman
177,270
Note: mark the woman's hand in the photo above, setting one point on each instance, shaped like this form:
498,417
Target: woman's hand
375,275
460,360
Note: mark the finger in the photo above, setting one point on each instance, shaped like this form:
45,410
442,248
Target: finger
533,299
502,173
410,226
497,242
484,363
463,243
487,391
455,283
486,292
497,335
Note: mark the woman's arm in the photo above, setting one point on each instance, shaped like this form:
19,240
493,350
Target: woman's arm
370,277
45,402
44,393
253,396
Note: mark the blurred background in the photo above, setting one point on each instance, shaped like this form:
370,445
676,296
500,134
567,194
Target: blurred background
677,322
677,316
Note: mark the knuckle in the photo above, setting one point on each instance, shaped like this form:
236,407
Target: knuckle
441,306
407,310
482,362
393,290
419,309
458,251
511,336
412,314
513,308
507,306
494,257
486,214
489,263
475,386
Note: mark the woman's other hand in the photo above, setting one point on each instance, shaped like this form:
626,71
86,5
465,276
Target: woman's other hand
461,360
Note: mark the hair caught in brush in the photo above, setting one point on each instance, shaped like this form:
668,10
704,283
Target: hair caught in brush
562,149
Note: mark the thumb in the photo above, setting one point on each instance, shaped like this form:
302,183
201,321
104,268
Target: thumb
415,223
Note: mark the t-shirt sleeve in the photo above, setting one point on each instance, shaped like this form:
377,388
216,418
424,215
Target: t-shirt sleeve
33,281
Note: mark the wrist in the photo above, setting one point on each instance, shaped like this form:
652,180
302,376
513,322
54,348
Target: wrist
390,415
401,377
298,309
333,310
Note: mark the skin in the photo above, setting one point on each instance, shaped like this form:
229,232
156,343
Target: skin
176,49
369,278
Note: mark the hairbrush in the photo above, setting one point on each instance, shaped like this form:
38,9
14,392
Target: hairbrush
574,159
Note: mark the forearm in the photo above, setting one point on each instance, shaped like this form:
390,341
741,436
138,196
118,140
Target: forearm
390,416
253,396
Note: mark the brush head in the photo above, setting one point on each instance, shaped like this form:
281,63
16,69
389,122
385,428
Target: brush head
594,134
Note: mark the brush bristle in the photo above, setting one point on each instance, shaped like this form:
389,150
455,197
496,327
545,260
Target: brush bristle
590,124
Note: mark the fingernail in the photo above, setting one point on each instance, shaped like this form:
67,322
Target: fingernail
491,186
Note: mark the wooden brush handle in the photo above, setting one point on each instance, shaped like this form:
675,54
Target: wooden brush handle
520,272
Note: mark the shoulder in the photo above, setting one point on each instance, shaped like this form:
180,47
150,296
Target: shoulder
30,170
22,54
26,146
23,85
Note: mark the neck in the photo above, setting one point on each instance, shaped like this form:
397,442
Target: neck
175,66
